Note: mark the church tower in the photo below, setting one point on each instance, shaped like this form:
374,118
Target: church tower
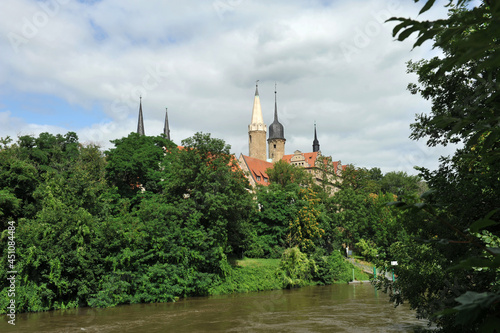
315,141
276,139
140,122
166,127
257,130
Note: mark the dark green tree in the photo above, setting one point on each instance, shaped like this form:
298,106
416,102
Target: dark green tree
53,187
283,173
205,181
463,88
401,184
133,165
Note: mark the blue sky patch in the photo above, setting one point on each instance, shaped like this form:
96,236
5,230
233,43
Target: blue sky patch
97,31
50,110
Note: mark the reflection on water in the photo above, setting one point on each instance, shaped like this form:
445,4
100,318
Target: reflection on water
336,308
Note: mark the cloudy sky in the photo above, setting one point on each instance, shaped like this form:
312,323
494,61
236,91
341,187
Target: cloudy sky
68,65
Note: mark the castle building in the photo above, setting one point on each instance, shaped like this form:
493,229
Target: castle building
255,164
262,155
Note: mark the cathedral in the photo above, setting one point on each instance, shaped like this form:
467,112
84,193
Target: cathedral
140,122
263,153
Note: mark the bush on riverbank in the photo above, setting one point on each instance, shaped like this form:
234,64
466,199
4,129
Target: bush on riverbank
332,269
249,275
148,222
294,269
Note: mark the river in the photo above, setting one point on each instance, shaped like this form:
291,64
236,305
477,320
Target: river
335,308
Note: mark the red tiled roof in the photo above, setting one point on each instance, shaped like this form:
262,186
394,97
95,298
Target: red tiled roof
258,169
336,166
310,158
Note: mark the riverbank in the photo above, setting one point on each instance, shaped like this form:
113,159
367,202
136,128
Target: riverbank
250,275
334,308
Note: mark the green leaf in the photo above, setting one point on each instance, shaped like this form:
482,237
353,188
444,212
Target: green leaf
427,194
406,33
495,250
484,222
475,262
472,304
427,6
397,204
420,205
490,325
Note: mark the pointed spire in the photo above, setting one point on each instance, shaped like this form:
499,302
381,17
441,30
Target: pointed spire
316,141
166,127
275,104
140,122
257,123
276,129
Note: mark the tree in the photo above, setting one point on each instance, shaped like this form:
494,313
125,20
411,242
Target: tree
52,187
26,163
277,209
360,179
134,163
304,229
295,268
463,88
463,84
203,177
283,173
401,184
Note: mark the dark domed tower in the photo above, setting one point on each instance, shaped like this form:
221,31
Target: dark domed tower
276,139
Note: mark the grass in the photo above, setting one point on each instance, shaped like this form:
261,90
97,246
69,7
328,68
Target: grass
360,275
251,262
249,275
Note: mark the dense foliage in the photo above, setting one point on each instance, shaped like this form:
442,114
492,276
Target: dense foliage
449,265
148,221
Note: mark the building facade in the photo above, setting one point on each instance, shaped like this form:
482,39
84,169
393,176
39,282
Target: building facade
255,163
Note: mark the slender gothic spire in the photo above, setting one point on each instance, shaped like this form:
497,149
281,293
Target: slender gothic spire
316,141
276,130
140,122
166,128
275,104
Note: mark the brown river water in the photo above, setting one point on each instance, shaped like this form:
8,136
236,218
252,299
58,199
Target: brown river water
335,308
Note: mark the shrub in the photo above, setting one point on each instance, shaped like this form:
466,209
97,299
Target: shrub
332,268
295,268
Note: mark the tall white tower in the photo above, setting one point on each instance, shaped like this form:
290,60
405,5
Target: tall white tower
257,130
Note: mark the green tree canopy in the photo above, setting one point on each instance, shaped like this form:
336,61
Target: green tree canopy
134,162
463,88
283,173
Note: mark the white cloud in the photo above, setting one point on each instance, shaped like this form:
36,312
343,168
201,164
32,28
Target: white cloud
335,63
